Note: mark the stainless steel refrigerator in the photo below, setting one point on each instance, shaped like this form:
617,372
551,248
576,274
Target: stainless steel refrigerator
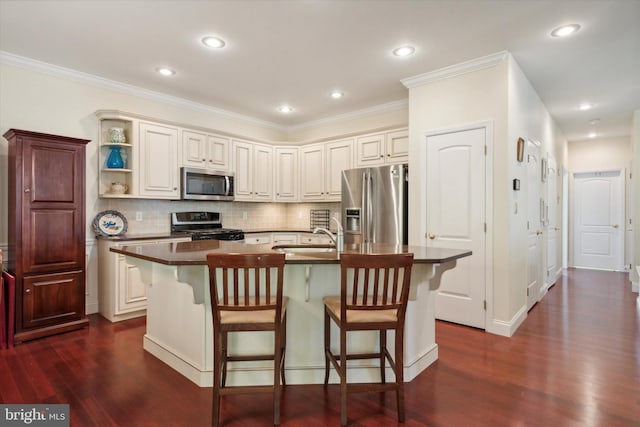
375,205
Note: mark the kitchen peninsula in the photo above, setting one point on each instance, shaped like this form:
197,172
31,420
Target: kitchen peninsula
179,322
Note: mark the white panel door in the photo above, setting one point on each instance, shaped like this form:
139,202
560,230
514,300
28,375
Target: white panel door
534,223
553,231
456,173
598,220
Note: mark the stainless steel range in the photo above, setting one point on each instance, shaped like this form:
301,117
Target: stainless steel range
203,226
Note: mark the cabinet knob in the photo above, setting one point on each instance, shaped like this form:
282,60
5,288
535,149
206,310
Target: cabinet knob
432,236
204,160
26,190
27,291
381,155
175,188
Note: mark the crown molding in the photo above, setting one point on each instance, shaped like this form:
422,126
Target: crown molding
93,80
456,69
389,106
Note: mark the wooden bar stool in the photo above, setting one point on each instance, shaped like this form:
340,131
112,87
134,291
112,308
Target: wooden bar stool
246,296
374,290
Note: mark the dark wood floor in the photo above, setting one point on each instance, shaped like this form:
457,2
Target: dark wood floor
574,362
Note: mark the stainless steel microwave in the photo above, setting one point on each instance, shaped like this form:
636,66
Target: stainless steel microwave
200,184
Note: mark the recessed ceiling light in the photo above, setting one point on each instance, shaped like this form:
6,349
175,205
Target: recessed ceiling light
586,106
594,121
565,30
336,94
285,109
592,135
165,71
215,42
404,50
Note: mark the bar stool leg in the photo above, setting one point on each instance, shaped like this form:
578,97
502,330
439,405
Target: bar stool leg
343,376
277,389
399,362
223,357
217,378
383,348
327,343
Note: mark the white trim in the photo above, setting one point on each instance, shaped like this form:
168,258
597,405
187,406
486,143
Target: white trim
456,69
507,329
487,125
97,81
93,80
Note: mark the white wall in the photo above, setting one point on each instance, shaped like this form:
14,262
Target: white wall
635,202
600,154
500,94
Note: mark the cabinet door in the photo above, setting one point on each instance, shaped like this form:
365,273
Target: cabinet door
397,146
263,173
339,158
312,172
257,238
218,152
243,164
315,239
52,210
370,150
131,291
194,149
51,299
286,174
158,161
285,238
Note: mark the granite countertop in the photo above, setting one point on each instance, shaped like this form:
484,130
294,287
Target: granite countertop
195,252
170,235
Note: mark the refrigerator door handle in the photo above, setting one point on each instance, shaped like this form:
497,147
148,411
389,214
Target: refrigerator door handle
365,218
369,207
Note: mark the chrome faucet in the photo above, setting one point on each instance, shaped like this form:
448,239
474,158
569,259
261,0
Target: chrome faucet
338,239
325,231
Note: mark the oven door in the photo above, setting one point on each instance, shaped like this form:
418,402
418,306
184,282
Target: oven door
198,184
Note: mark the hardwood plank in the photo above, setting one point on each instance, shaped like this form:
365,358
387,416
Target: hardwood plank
573,362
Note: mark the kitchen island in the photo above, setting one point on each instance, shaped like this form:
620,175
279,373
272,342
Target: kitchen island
179,321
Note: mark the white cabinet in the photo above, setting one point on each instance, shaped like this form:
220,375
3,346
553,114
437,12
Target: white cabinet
382,148
286,174
127,150
159,175
205,151
314,239
321,167
284,238
253,164
257,238
122,293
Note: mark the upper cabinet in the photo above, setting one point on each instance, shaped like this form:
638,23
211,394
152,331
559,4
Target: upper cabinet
159,172
286,174
321,167
253,165
205,151
382,148
116,156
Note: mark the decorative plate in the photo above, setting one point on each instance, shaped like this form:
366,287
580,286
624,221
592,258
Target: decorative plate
109,223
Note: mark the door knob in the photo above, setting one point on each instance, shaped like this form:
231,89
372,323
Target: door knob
538,232
432,236
615,225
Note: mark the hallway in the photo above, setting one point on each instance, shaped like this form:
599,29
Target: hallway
574,362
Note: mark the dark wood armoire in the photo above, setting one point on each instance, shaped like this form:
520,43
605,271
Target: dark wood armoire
46,227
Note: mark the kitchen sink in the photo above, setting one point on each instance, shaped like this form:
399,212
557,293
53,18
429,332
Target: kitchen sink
304,249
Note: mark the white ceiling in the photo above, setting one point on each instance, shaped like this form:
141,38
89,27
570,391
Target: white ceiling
296,52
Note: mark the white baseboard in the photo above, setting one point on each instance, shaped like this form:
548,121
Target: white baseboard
507,329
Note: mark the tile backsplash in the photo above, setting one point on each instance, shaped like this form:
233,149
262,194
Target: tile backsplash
244,215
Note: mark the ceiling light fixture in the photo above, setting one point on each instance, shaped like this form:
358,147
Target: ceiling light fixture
404,51
165,71
592,135
336,94
586,106
285,109
565,30
214,42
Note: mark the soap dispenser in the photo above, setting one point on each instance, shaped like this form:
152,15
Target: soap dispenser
339,236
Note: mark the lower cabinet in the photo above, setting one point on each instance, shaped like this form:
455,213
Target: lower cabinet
315,239
52,298
257,238
122,293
